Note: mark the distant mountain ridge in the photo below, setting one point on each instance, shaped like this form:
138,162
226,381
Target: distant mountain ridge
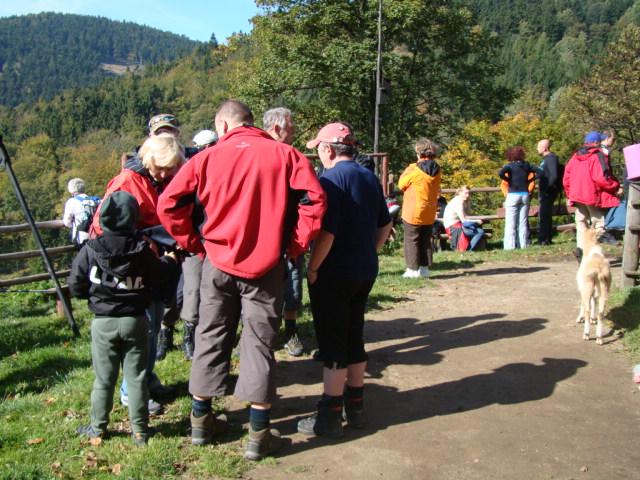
46,53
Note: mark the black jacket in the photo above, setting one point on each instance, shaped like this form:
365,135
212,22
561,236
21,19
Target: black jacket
517,175
550,181
115,272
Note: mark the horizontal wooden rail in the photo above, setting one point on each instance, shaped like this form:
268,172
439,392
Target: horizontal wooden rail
474,190
36,253
31,278
24,227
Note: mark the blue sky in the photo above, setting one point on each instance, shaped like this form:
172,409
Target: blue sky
197,19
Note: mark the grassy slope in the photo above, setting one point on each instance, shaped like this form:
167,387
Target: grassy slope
45,382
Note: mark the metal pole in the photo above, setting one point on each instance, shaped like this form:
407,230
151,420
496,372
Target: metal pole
376,126
6,162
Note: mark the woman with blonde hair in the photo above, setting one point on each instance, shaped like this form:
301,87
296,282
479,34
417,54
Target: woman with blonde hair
145,175
465,234
420,183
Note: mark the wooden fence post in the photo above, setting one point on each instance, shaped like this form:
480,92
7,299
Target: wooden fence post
631,237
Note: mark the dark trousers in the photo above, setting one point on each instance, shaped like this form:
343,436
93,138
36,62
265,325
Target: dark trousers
545,216
225,300
417,245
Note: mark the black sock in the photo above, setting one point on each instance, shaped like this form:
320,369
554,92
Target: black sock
259,419
333,403
289,327
200,407
353,396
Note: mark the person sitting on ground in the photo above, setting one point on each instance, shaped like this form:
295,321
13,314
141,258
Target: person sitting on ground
75,215
520,177
465,234
115,272
420,183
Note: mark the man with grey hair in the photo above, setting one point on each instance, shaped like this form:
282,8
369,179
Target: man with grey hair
78,211
278,123
242,183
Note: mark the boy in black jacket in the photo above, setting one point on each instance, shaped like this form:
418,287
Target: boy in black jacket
115,272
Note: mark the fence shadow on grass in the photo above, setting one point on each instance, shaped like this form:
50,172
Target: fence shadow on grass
30,333
626,315
39,376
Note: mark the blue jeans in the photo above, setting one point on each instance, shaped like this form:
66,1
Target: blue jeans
473,231
516,225
155,312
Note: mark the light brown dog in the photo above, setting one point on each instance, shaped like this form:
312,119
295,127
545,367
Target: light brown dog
594,282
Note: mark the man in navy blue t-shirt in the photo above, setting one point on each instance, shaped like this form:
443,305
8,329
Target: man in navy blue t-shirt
342,269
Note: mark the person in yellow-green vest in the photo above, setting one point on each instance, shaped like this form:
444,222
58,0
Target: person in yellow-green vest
420,183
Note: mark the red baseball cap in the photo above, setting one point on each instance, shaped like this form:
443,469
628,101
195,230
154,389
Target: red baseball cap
333,133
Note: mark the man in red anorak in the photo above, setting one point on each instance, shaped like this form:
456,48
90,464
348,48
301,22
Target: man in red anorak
244,184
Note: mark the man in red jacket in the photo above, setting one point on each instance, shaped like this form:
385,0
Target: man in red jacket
590,187
244,184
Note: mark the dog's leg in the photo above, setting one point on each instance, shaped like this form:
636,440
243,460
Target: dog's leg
580,317
602,305
594,309
586,294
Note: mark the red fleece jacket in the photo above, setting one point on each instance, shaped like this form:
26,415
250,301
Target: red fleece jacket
245,183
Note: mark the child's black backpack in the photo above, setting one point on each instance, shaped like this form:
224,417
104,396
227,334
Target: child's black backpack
90,205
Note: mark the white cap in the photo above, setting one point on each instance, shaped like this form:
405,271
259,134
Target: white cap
204,138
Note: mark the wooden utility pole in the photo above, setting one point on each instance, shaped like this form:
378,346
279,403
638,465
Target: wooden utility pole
631,252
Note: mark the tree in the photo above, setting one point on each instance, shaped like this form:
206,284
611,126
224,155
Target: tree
319,59
609,96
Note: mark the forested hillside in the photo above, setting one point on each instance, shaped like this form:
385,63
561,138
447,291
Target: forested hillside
468,76
550,43
44,54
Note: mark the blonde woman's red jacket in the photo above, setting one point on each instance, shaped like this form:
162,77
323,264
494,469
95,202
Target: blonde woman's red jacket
246,184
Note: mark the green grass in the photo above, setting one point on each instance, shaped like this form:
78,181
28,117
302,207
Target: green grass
46,378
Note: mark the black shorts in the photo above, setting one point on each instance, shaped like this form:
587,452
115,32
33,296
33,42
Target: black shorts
338,307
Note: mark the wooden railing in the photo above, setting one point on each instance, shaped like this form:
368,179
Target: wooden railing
52,251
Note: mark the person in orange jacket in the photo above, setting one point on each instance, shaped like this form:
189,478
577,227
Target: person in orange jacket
420,183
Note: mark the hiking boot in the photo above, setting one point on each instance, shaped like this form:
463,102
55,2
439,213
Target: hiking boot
262,443
165,342
188,340
294,346
89,432
154,407
140,439
204,428
157,390
410,273
355,417
326,422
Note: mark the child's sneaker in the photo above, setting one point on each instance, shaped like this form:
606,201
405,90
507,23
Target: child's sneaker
140,439
411,273
154,407
89,432
424,272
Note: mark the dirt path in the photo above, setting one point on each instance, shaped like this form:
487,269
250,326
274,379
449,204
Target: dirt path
483,375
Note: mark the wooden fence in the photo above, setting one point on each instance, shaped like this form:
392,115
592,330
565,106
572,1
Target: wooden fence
52,251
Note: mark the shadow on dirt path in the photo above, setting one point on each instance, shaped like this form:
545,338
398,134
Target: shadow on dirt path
483,374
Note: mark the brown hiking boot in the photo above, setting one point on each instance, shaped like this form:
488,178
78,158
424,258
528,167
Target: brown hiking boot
204,428
262,443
